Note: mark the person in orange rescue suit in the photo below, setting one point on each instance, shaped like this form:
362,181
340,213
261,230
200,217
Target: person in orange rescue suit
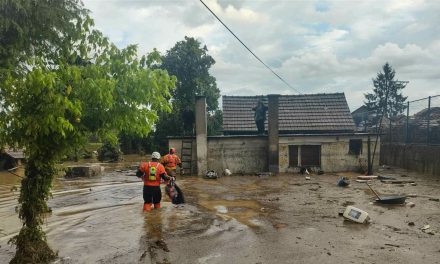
171,161
151,173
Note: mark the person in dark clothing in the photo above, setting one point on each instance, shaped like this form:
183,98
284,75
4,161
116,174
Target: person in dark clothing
260,116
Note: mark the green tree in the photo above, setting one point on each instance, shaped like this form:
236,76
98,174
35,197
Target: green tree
190,62
387,98
35,27
51,101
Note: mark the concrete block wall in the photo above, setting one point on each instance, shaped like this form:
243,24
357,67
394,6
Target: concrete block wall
241,155
420,158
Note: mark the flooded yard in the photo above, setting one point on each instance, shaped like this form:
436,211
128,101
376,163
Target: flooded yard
235,219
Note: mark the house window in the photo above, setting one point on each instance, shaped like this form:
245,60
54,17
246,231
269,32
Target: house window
355,146
311,155
293,156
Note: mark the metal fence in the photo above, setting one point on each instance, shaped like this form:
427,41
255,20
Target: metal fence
419,125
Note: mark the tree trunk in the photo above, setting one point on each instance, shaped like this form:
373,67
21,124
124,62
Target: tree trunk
31,244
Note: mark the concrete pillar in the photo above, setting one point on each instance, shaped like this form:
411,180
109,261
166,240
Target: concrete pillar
273,133
201,136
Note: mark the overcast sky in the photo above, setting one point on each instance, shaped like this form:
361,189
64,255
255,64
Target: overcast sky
317,46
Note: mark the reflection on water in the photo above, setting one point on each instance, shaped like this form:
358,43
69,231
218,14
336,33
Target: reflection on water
93,218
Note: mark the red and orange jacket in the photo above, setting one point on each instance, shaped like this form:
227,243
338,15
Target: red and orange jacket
171,161
151,173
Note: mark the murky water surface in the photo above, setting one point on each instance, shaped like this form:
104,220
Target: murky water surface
237,219
97,217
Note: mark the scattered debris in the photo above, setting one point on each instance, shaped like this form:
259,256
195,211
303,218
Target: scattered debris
427,230
263,174
343,182
356,215
227,172
211,175
363,181
392,245
411,224
385,178
388,199
304,170
362,177
411,204
413,184
411,195
434,199
307,178
426,227
320,172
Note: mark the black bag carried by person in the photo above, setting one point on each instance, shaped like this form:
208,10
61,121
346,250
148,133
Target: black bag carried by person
174,192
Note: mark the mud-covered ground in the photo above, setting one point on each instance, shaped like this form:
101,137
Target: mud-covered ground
235,219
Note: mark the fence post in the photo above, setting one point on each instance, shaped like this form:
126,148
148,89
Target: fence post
370,167
390,139
429,120
407,123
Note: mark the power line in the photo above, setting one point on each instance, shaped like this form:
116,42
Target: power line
279,77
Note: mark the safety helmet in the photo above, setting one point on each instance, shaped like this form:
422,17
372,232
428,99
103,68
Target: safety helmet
155,155
172,150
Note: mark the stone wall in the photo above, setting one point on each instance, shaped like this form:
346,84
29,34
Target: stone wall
335,156
421,158
249,154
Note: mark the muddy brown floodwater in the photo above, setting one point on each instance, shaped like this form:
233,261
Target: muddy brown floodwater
235,219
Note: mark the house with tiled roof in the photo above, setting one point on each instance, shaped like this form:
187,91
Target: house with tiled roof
309,113
314,131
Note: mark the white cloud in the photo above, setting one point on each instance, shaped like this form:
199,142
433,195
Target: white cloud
339,46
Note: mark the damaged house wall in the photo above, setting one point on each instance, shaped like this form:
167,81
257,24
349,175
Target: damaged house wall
248,154
315,130
335,155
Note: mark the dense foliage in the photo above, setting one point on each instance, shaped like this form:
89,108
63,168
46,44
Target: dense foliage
190,62
64,84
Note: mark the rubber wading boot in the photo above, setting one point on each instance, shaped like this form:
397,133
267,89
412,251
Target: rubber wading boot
156,205
147,207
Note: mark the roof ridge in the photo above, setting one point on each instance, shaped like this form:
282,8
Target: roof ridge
282,95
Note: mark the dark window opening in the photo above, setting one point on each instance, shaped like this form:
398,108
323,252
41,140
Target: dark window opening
311,155
355,147
293,156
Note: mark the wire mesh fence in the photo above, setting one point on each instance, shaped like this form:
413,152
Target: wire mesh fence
419,125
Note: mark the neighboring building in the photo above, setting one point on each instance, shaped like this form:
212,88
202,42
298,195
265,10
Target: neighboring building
360,118
314,130
10,158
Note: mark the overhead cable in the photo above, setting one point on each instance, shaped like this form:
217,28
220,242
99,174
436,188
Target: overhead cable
270,69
